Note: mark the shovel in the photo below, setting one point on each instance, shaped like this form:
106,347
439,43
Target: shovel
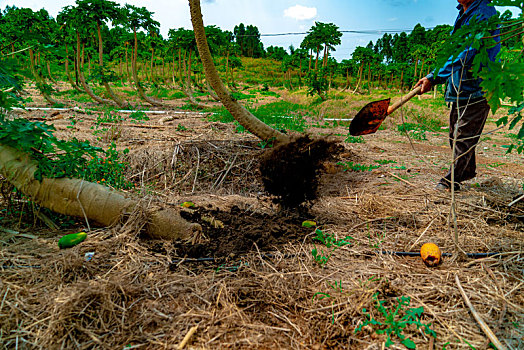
369,118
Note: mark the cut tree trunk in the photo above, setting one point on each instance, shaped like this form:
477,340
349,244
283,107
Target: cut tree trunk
242,115
87,200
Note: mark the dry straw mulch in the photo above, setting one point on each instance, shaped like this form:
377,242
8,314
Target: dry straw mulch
129,295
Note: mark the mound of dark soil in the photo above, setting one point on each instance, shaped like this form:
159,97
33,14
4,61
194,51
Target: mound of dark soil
290,170
235,232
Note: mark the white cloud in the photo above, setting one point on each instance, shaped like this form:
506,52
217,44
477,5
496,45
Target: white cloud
392,19
299,12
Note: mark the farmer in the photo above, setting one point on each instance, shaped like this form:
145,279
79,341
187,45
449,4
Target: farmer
469,106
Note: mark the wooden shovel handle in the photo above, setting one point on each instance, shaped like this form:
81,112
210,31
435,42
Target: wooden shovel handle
404,99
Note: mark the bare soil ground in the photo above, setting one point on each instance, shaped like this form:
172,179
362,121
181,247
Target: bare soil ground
252,282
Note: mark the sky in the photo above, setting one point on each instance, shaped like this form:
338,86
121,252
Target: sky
290,16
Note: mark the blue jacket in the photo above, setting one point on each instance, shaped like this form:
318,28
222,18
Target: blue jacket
457,72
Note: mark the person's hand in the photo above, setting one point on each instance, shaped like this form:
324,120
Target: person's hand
426,85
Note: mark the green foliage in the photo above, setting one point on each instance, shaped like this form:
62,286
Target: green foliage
354,139
107,169
350,166
317,82
241,96
248,40
138,116
58,158
109,116
416,131
384,161
327,240
103,75
502,79
395,320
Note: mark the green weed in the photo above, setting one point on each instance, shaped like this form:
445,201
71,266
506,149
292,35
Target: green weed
175,95
267,93
322,256
242,96
354,139
416,131
350,166
337,287
138,116
385,161
180,127
495,165
266,144
220,114
395,319
280,115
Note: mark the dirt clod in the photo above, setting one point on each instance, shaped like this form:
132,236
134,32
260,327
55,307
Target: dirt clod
290,170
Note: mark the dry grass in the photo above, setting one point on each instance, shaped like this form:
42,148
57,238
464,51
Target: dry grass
128,294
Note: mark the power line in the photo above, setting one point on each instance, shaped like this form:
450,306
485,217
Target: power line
371,31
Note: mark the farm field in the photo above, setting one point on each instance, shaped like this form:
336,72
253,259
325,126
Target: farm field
251,280
173,188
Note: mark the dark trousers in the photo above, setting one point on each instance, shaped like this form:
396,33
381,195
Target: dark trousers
471,119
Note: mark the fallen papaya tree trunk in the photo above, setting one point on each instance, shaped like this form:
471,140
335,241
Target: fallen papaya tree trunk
83,199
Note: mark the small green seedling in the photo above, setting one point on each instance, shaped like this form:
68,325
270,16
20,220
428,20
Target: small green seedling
322,256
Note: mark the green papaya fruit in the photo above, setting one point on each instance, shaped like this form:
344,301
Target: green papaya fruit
71,240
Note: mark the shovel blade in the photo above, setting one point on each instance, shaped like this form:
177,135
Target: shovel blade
369,118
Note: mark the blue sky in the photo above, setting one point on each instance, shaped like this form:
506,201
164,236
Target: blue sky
282,16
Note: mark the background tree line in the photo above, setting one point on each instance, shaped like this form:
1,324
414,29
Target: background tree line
98,42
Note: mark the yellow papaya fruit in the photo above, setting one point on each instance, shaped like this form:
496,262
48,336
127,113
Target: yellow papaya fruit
431,254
